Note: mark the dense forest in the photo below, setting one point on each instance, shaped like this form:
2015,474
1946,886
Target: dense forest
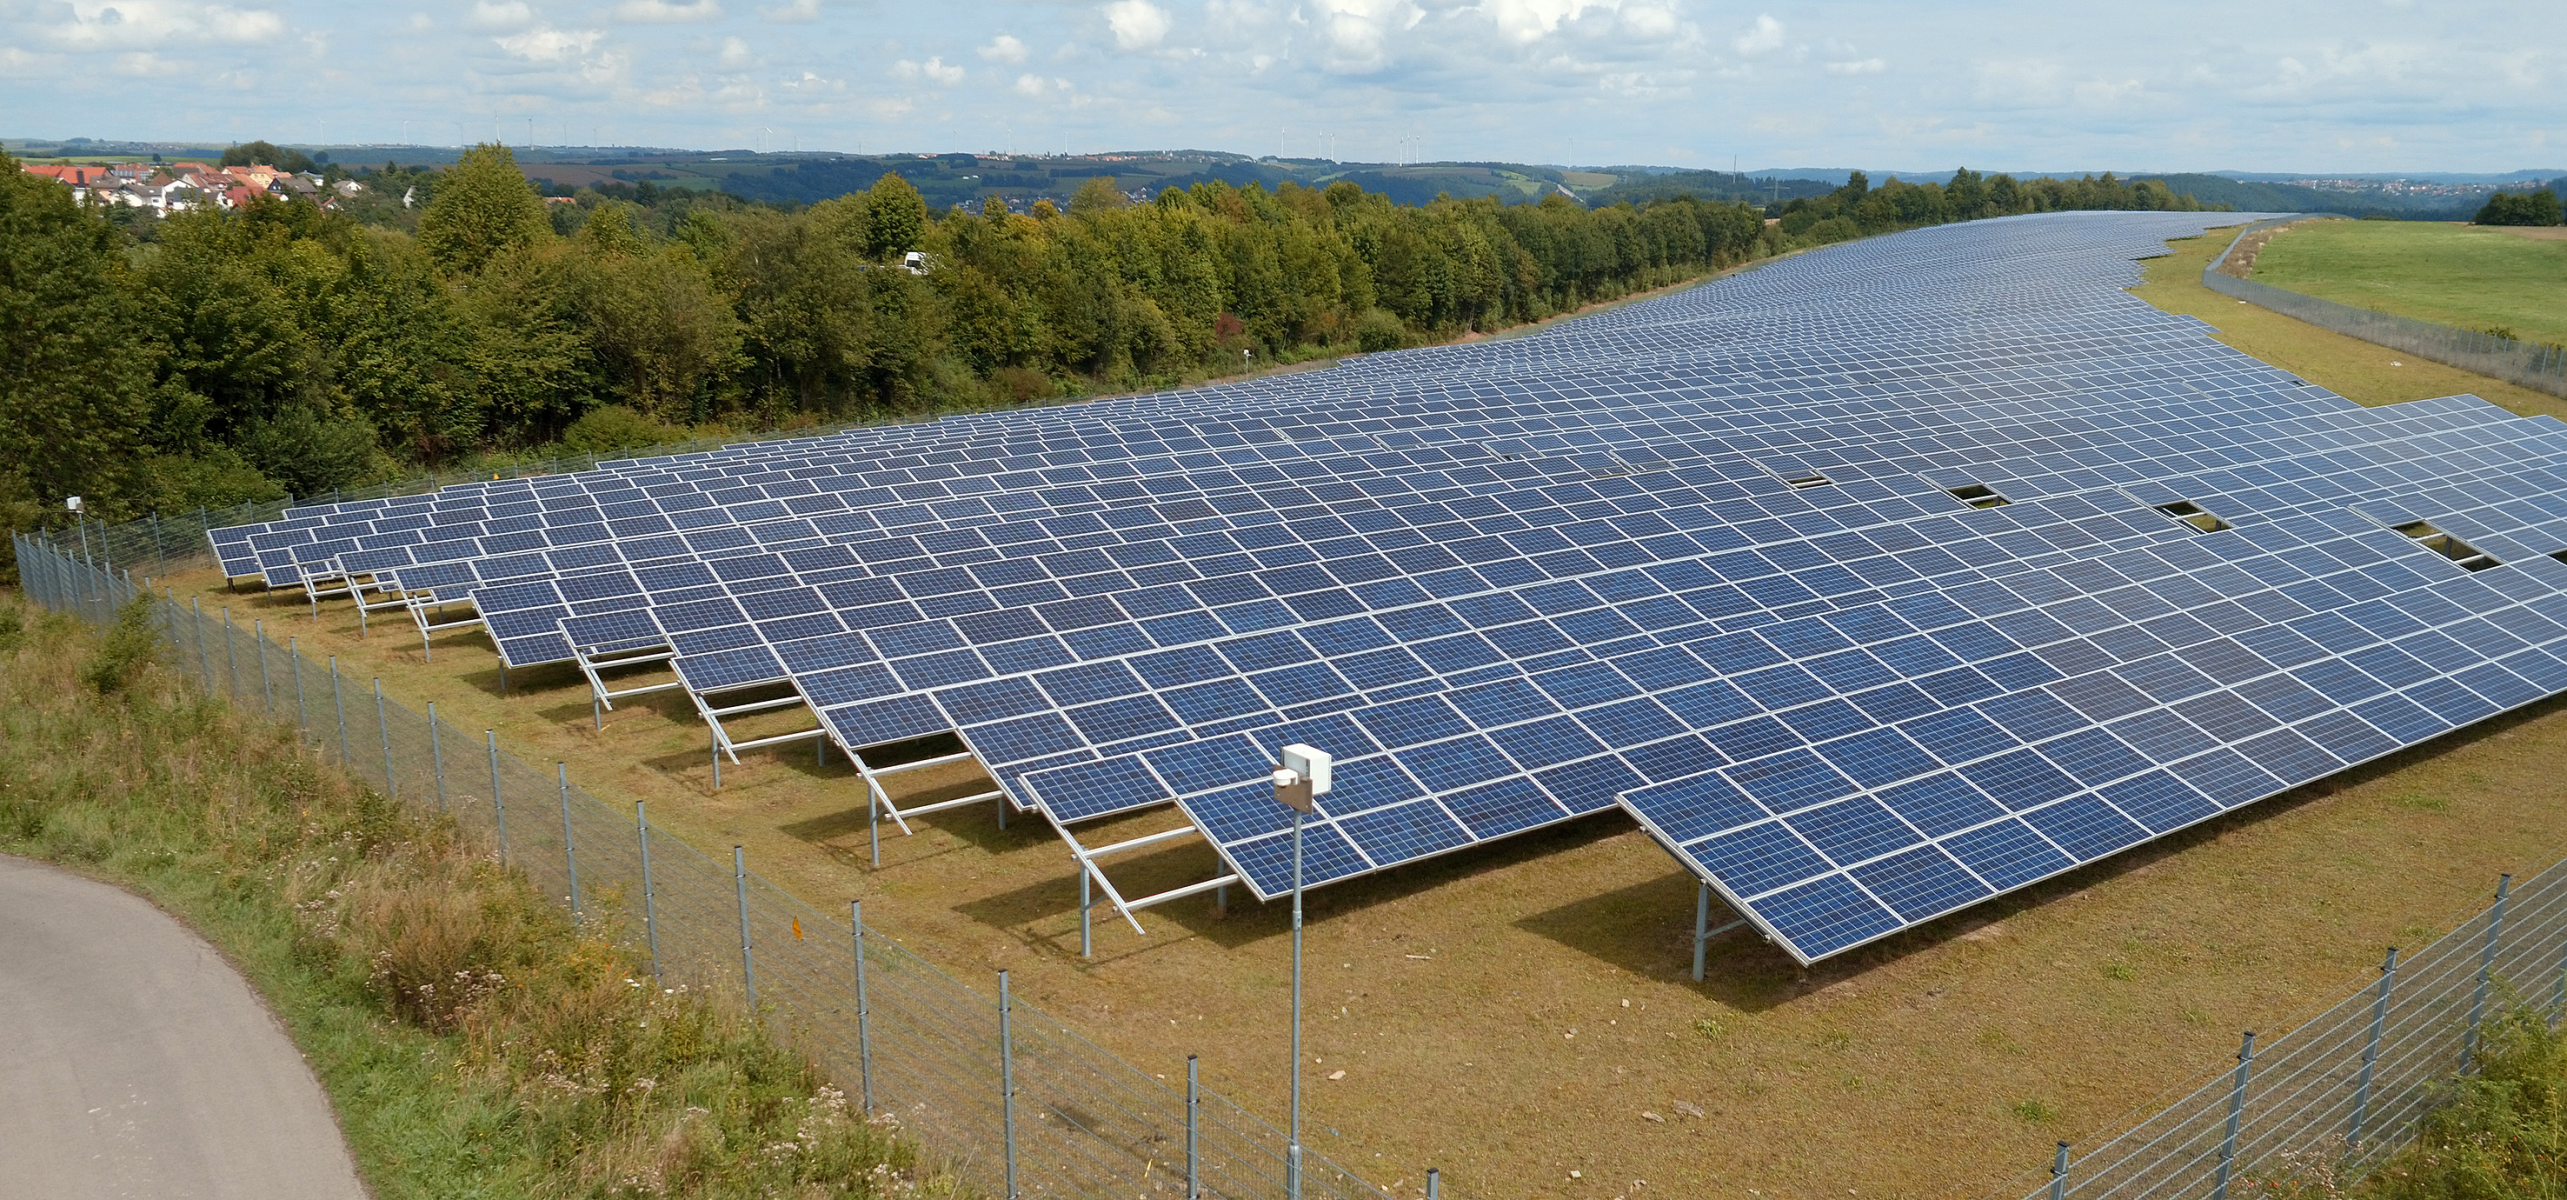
459,317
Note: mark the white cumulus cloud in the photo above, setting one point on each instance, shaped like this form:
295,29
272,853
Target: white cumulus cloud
511,15
1532,20
1765,37
794,13
1137,24
545,44
1004,49
934,70
1359,32
663,12
133,24
1035,86
1859,66
735,53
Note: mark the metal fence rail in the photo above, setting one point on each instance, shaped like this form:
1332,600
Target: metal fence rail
2543,368
1017,1103
2347,1088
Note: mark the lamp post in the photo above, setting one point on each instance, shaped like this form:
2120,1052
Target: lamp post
1298,784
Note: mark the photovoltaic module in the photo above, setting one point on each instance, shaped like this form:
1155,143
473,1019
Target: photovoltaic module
1873,582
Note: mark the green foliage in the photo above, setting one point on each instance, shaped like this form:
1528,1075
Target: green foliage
2537,207
129,645
474,1041
310,452
76,355
1378,330
266,154
483,206
895,217
615,427
2501,1131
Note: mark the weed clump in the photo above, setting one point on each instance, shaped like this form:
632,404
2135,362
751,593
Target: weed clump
129,645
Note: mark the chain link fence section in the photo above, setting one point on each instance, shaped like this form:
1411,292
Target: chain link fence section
2346,1089
2542,368
1018,1103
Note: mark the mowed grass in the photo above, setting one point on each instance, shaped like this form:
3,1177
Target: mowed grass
2467,276
1520,1012
2349,367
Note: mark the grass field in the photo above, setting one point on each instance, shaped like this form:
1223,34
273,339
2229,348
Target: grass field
2452,274
1517,1013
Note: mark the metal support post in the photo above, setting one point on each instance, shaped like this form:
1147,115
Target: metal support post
391,782
1434,1183
713,739
748,969
1007,1081
650,904
436,756
873,818
864,1010
339,702
266,683
1086,939
1702,926
231,651
2059,1174
1193,1128
570,851
1292,1150
2486,970
498,806
2236,1115
2371,1048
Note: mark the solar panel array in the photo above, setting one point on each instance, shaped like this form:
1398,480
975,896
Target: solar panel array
1873,583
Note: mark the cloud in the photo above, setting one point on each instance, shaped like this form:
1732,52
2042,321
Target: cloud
793,13
1358,32
1523,21
1137,24
735,53
1035,86
1764,38
545,44
133,24
144,63
1004,49
511,15
661,12
1860,66
933,70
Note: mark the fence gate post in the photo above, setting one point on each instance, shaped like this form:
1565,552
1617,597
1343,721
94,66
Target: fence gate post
340,703
2236,1111
864,1010
383,729
570,852
2059,1174
436,756
2486,968
266,685
1007,1082
2371,1049
1193,1128
498,806
748,969
650,905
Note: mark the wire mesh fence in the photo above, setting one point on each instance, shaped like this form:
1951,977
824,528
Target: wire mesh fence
2343,1091
1016,1102
2531,365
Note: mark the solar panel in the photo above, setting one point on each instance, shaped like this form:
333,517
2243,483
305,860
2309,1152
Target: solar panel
1872,583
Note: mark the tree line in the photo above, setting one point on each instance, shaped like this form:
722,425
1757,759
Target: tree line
281,349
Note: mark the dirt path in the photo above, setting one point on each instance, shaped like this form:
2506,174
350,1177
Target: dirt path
136,1062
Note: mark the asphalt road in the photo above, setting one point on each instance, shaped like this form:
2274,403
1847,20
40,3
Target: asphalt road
134,1062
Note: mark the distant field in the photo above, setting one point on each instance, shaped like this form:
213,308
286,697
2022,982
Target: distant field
2463,275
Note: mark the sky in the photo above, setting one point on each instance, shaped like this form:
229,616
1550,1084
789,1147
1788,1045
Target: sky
2346,86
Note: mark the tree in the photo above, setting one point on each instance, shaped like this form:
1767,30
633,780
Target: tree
76,395
895,217
2537,207
483,206
266,154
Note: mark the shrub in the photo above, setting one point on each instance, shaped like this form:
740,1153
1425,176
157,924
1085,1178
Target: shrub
614,427
1380,330
2537,207
130,644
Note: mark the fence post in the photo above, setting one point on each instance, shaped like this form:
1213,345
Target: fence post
436,756
2236,1112
302,712
570,851
204,660
1007,1081
266,684
1434,1183
2371,1048
2059,1174
383,729
864,1010
231,652
1193,1128
2486,968
340,703
498,806
748,968
650,904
